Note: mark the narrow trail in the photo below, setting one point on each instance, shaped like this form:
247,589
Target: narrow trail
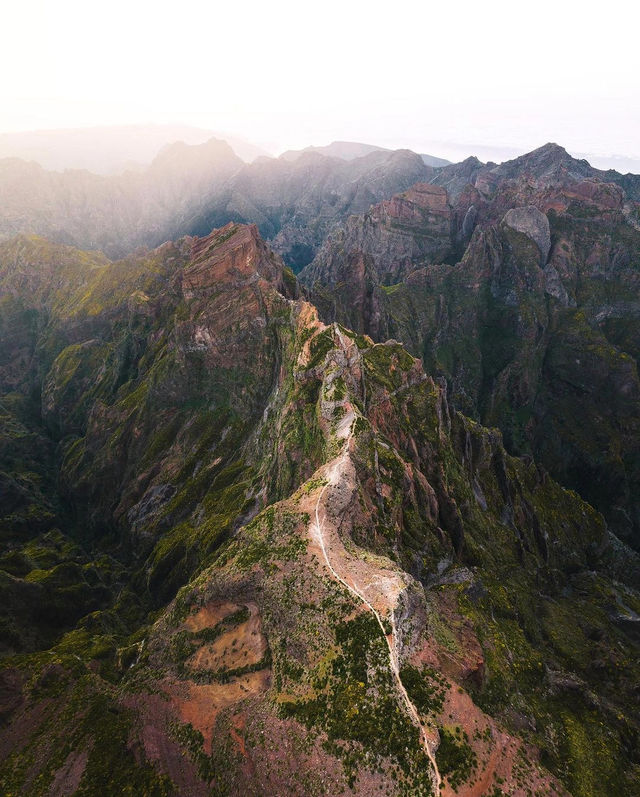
333,477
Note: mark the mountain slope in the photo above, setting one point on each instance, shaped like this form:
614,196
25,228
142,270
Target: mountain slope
191,189
536,326
296,541
113,214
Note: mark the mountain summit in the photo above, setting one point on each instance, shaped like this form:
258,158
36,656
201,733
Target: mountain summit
251,543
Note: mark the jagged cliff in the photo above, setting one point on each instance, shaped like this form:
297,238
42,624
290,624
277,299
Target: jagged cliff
192,189
252,553
535,327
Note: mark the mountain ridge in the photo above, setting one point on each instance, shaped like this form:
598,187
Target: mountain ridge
252,544
574,295
204,416
348,150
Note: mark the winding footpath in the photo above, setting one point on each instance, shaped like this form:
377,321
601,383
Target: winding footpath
333,477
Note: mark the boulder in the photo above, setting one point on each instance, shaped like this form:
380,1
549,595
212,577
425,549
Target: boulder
534,224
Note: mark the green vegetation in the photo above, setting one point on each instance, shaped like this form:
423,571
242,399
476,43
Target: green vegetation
87,727
321,345
425,687
355,700
164,445
456,760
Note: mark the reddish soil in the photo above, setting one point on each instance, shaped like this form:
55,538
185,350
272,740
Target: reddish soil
154,741
502,759
200,704
210,615
68,777
241,645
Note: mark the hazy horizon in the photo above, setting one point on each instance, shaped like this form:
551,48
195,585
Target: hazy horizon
119,153
449,81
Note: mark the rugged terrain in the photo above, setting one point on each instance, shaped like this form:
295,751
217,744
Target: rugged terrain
192,189
246,551
519,284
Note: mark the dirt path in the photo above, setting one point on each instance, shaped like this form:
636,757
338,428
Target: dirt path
333,476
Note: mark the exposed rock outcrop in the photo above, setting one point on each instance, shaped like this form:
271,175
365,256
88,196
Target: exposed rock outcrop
531,222
546,246
175,428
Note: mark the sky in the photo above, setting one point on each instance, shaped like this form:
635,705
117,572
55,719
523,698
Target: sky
451,79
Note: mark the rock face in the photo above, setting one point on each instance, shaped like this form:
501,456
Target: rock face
186,447
546,283
192,189
380,248
534,224
235,254
395,237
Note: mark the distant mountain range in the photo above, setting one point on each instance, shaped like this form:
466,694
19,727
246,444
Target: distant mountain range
194,188
349,150
295,200
370,529
110,150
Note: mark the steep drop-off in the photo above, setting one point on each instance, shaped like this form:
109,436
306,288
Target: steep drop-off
535,328
214,491
192,189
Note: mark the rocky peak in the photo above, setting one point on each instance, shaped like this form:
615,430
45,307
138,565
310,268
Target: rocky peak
456,177
233,255
546,161
410,206
178,156
550,163
551,151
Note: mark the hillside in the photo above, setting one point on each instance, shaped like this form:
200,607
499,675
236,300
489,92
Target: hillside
190,189
249,551
518,284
